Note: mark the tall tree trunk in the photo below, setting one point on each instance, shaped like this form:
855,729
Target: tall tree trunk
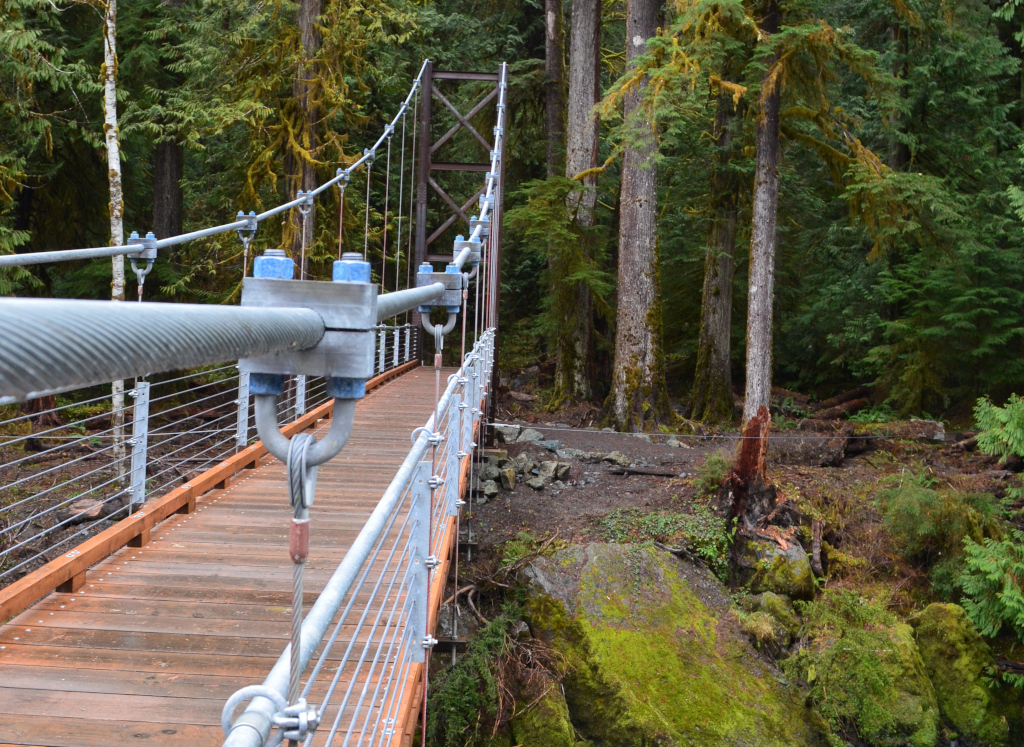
899,153
554,118
167,168
711,400
301,172
168,161
638,393
575,343
762,237
109,74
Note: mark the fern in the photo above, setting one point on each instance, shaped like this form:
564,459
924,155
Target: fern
992,580
1002,431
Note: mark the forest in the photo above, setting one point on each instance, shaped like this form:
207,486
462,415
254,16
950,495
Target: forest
722,218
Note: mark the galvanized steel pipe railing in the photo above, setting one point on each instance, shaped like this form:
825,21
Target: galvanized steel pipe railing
51,346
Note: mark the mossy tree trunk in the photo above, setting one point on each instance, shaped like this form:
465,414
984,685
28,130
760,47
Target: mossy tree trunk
762,233
576,333
638,395
711,400
554,100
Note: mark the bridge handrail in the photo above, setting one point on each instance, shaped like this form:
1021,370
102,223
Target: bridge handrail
422,509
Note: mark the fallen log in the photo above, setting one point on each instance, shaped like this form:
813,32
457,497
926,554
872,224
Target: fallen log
858,393
841,411
642,471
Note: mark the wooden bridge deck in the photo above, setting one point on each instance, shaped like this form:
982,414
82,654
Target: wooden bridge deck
149,649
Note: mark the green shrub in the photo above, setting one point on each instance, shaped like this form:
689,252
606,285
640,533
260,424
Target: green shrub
713,472
992,581
929,526
464,698
705,534
1002,431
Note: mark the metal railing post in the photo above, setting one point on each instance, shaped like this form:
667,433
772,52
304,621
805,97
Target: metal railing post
420,560
300,395
140,442
383,342
242,423
398,335
408,343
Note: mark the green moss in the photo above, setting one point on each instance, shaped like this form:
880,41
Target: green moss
545,724
864,673
958,663
779,607
786,573
651,663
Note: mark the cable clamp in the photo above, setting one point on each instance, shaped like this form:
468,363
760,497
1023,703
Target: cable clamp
429,642
307,202
297,721
462,454
432,562
435,482
460,503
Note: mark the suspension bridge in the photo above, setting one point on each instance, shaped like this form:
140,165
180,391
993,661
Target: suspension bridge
253,547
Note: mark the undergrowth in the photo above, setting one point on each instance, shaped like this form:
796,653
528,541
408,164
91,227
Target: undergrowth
713,472
703,533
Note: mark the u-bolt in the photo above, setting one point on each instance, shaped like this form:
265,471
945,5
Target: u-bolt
277,443
432,328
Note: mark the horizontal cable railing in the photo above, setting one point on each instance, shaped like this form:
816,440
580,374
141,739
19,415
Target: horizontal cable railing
64,475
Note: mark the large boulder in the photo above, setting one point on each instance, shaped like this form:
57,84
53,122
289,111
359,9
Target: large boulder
958,663
544,724
653,655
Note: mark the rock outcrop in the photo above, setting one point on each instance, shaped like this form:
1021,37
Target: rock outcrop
652,657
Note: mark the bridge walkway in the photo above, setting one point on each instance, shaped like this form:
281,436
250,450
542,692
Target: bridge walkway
149,649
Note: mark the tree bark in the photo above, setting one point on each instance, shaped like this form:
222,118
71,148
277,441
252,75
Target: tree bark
554,118
298,166
711,400
575,344
638,393
167,170
762,237
110,134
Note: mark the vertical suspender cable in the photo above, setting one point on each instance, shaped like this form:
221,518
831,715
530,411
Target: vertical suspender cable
366,223
384,240
341,214
412,195
401,193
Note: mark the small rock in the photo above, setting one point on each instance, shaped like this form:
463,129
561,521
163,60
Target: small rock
675,443
489,488
520,630
537,483
558,485
489,472
83,510
524,463
528,435
506,434
570,454
643,437
508,478
547,470
608,430
930,430
562,470
617,457
550,445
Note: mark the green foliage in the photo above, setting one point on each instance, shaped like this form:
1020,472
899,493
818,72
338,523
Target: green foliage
930,523
464,698
992,582
1002,431
863,674
707,536
883,413
713,471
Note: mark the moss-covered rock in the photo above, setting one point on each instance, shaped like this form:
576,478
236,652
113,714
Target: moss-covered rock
785,572
654,656
958,661
776,605
545,724
864,673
